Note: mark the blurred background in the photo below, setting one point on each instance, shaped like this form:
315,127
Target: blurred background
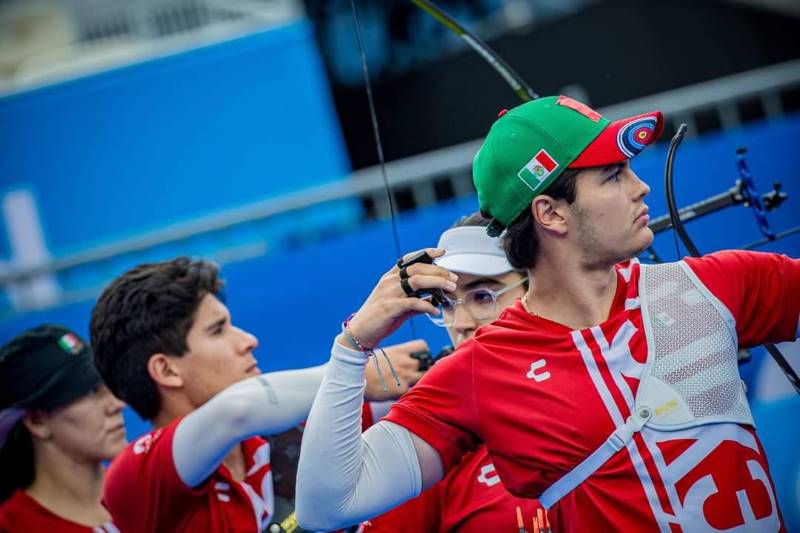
239,131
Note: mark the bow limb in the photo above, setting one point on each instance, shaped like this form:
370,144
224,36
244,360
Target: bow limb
523,90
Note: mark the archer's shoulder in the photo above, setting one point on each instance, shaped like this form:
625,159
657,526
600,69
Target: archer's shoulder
147,448
731,261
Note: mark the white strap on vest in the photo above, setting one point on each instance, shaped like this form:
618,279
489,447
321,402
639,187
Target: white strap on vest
618,440
686,363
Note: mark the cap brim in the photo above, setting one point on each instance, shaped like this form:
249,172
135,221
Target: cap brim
475,264
621,140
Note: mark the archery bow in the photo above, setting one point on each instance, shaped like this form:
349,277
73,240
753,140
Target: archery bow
523,90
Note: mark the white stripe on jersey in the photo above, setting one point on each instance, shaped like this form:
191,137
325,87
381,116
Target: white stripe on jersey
260,508
260,459
597,379
628,270
632,303
622,365
662,518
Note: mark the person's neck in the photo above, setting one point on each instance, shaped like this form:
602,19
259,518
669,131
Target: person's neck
69,487
172,406
568,292
235,463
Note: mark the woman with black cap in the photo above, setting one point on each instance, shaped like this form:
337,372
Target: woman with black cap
58,422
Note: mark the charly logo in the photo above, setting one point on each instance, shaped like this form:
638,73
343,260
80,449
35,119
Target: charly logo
534,373
488,475
635,135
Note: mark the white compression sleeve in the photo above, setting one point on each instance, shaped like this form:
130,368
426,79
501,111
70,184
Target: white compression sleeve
262,405
380,409
344,478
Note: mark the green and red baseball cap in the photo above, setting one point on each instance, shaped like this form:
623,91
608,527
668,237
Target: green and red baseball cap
530,146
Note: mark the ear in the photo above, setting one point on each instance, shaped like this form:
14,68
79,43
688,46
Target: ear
550,214
36,422
165,371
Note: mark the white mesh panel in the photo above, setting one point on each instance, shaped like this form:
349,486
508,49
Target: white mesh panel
694,351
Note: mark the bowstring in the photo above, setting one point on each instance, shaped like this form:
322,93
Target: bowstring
378,144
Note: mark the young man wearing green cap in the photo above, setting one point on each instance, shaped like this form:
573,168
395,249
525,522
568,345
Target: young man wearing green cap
610,392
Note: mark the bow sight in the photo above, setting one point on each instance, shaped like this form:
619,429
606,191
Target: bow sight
744,193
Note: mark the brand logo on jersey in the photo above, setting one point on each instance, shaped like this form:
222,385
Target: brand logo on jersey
667,407
488,475
143,444
534,373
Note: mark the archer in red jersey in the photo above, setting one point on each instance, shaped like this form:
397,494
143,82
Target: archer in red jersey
610,391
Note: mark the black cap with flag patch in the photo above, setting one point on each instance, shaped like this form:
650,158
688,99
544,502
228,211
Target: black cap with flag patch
44,368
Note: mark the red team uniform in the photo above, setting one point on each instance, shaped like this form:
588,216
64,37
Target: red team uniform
544,397
470,498
21,513
143,491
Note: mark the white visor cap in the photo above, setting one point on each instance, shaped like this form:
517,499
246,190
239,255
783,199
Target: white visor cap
470,250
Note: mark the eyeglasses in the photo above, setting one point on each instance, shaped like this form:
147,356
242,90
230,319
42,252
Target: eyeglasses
480,303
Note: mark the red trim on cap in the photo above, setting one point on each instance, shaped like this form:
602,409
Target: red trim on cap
502,112
605,149
583,109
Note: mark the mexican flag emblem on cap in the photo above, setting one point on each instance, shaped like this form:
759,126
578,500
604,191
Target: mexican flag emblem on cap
70,344
537,169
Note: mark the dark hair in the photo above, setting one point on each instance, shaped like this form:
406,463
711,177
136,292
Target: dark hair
520,240
16,461
477,219
147,310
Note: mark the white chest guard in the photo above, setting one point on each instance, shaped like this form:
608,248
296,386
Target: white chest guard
691,376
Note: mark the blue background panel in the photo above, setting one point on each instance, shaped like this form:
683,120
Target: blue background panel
132,149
